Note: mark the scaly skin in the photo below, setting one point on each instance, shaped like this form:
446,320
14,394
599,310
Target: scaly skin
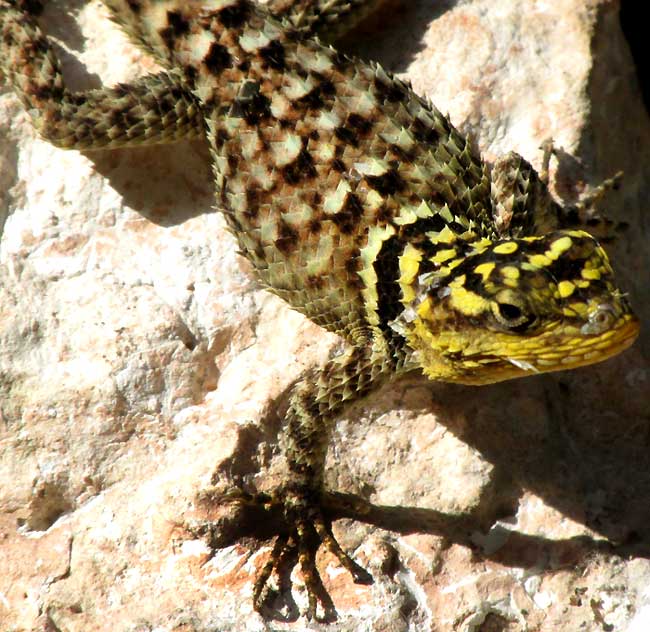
356,201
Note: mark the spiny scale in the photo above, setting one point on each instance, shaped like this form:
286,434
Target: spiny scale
356,201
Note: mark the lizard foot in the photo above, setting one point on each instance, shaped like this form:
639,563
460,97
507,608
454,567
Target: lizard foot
307,528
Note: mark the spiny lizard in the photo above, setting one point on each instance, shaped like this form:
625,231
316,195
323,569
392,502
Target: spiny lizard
356,201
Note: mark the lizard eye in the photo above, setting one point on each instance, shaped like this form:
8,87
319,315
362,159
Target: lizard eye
511,313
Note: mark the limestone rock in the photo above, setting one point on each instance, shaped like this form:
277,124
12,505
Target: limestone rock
140,362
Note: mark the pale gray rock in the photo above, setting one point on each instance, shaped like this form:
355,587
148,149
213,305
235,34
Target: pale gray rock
140,362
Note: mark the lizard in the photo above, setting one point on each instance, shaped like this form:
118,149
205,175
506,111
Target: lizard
357,202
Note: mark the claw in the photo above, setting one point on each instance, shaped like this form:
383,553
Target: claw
359,574
263,576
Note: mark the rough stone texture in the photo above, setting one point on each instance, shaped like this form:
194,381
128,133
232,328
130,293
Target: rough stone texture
139,362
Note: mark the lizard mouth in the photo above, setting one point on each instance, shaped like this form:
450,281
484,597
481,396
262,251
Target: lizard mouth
582,350
608,343
566,347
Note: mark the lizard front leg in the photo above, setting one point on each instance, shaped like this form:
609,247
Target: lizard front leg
315,403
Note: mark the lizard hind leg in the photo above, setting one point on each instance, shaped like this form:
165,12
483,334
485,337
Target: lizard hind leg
154,109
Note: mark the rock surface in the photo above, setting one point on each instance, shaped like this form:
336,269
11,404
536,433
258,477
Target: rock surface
139,362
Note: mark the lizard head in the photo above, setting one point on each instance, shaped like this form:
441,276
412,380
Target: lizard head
486,311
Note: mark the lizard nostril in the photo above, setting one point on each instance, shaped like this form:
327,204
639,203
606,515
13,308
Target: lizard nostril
601,319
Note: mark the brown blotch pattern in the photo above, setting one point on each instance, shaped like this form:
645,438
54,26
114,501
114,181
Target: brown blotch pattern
424,133
252,202
301,168
217,59
177,26
339,165
273,55
234,16
251,105
314,226
315,282
347,218
388,183
391,92
287,238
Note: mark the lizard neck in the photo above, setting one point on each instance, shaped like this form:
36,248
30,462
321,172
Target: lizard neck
397,263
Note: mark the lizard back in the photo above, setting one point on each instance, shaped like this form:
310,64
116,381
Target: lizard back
326,167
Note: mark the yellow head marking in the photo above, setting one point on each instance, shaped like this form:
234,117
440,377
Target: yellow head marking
506,248
409,266
444,255
565,288
409,263
485,269
539,261
558,247
468,303
510,272
445,236
376,236
590,274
